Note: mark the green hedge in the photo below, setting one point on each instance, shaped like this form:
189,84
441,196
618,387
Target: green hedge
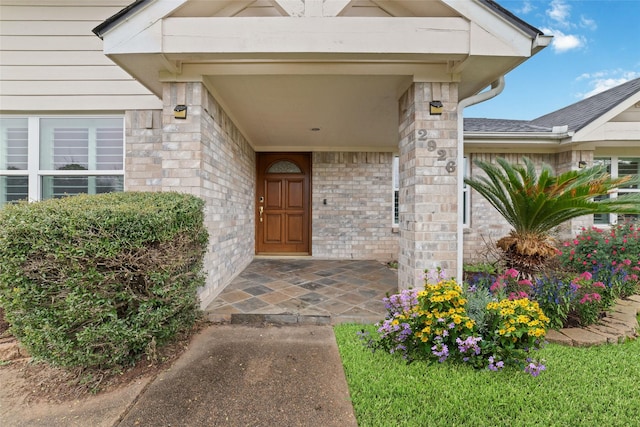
97,281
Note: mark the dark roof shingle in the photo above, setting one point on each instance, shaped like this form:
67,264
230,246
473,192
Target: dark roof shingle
575,116
580,114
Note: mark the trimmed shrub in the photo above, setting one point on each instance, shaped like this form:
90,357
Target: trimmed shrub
97,281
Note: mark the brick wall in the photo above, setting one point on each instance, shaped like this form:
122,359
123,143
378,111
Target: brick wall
428,188
204,155
228,173
356,221
143,150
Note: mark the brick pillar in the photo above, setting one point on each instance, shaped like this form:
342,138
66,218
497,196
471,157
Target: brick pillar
182,145
428,182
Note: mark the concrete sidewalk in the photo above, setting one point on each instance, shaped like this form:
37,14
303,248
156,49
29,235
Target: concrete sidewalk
231,375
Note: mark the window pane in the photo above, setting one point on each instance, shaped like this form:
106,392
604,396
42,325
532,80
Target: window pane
284,166
13,189
628,166
602,218
13,143
59,186
81,144
603,161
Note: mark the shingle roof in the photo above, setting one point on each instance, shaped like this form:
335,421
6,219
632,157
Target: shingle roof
580,114
575,116
501,125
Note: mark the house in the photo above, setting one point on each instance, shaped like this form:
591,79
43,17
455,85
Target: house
285,116
603,129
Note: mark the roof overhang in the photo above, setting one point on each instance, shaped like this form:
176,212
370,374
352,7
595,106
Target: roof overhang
280,76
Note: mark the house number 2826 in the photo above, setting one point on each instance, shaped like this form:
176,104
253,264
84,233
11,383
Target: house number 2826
433,146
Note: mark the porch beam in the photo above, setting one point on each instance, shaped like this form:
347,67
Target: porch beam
316,35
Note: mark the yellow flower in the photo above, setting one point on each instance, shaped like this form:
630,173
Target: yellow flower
469,324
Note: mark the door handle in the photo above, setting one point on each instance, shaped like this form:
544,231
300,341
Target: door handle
260,209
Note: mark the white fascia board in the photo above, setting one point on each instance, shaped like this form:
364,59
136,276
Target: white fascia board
141,30
493,24
315,35
514,136
590,131
436,72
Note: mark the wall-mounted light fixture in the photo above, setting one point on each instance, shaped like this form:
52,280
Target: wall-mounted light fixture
180,112
435,108
582,164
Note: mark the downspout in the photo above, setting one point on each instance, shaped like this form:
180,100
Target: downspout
496,88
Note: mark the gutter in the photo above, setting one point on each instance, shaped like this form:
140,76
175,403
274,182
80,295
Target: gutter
101,29
496,88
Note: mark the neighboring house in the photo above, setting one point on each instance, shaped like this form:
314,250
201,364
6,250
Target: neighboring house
285,116
601,130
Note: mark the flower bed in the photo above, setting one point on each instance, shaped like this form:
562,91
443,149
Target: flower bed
433,324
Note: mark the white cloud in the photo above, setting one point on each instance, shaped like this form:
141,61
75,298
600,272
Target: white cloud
588,23
559,11
604,80
564,42
526,8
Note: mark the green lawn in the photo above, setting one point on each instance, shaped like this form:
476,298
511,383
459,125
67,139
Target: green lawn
597,386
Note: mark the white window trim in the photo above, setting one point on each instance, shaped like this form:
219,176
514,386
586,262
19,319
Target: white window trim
395,187
34,172
614,162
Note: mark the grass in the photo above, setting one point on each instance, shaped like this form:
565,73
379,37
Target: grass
596,386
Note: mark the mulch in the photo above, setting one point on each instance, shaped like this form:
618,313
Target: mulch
4,325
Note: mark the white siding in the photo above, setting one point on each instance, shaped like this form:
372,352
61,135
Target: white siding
51,61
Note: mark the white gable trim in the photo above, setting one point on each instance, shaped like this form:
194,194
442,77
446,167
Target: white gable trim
601,128
140,29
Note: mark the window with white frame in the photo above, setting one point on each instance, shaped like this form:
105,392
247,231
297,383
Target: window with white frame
466,199
396,190
618,167
49,157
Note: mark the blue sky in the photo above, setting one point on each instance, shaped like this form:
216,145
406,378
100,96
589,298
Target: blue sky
596,46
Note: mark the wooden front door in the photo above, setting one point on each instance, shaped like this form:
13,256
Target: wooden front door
282,203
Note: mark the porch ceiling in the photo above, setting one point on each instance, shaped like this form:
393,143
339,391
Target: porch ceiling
279,77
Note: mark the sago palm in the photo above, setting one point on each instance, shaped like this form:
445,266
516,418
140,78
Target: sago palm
533,204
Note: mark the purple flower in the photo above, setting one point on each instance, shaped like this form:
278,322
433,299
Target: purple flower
439,349
534,368
493,365
470,343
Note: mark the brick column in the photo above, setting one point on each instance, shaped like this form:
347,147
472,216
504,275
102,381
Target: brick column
428,182
143,160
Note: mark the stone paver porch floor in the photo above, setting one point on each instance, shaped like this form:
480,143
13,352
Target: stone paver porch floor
306,290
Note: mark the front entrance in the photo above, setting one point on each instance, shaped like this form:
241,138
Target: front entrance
283,194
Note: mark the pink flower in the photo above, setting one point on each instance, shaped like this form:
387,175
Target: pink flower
575,241
627,262
517,295
525,282
599,285
586,275
495,286
512,272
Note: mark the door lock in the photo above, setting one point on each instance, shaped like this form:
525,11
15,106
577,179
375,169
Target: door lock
260,209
